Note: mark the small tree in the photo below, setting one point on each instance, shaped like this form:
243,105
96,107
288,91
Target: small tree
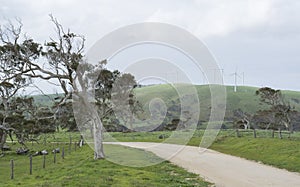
17,118
114,95
124,101
241,119
278,107
103,84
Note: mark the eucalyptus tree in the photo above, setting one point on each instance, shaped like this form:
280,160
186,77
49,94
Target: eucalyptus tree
279,109
115,96
17,53
65,58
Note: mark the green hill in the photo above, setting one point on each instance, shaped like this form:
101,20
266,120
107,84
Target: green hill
45,100
244,98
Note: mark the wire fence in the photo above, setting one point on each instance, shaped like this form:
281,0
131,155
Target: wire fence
260,133
12,165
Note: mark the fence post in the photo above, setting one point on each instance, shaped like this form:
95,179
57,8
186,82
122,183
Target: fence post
237,133
280,135
54,159
70,144
254,133
45,140
44,161
30,165
12,169
75,146
63,153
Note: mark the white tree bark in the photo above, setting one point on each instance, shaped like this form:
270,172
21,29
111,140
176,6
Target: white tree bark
97,126
3,134
98,138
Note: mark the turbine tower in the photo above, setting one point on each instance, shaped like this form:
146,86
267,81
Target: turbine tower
236,75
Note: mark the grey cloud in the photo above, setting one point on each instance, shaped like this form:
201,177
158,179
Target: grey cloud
262,38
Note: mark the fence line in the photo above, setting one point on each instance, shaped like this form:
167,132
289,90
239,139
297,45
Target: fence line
13,167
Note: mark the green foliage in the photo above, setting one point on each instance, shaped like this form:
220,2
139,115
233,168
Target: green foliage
270,96
65,117
44,118
279,111
26,120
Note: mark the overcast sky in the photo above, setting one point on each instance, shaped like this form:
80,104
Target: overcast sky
258,37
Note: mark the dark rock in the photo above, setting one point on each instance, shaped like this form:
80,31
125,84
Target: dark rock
162,136
43,152
6,148
22,151
55,150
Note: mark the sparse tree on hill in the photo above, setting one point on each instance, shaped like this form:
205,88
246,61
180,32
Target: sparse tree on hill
278,107
125,102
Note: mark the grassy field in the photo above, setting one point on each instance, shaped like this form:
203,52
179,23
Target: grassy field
82,169
79,169
282,153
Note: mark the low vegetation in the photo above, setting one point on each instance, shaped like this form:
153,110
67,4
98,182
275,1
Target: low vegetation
281,153
79,168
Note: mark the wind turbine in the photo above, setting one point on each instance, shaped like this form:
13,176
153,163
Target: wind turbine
236,75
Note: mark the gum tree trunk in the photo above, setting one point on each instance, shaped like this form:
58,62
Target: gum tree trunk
90,114
98,138
3,137
3,133
99,151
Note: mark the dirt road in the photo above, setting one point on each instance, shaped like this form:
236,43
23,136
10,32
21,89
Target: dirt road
219,168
